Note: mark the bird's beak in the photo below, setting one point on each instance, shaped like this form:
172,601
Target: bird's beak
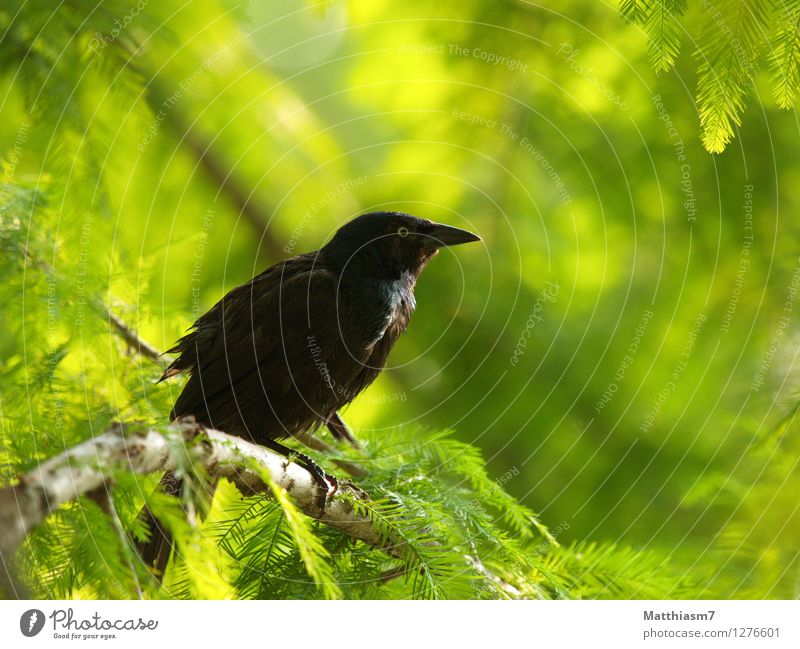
446,235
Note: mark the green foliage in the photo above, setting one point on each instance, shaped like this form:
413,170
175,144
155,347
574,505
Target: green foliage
452,531
298,530
727,57
441,522
592,571
147,170
731,37
785,55
755,554
661,22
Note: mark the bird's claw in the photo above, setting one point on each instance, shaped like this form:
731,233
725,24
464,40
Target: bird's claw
327,485
356,490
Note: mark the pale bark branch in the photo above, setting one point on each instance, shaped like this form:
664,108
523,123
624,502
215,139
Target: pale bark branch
91,464
146,350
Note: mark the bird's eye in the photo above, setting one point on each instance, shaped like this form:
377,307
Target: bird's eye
402,231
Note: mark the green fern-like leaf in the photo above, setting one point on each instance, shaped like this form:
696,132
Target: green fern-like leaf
664,32
728,60
604,571
660,20
784,58
313,553
435,569
634,11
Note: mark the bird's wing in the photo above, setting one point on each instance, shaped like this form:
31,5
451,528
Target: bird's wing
255,343
235,307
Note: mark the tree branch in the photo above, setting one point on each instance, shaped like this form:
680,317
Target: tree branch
146,350
137,344
90,464
313,442
218,170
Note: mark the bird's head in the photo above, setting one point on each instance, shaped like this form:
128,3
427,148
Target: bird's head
387,244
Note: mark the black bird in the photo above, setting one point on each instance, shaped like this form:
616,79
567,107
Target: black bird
281,354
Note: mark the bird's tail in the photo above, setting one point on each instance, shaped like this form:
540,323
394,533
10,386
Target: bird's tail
155,551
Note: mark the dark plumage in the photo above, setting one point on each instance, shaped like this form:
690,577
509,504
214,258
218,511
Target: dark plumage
284,352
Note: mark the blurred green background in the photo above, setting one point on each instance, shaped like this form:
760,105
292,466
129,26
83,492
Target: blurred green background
622,346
